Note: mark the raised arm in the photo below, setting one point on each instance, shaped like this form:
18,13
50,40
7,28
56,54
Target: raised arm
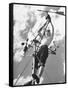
52,35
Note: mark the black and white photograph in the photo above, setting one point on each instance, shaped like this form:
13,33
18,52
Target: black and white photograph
39,44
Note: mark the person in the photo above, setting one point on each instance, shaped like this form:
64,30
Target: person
45,36
42,55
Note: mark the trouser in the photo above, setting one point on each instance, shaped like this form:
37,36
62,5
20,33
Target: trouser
39,61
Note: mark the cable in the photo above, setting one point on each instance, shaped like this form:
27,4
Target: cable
22,71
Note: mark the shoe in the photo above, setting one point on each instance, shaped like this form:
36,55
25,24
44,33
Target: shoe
35,77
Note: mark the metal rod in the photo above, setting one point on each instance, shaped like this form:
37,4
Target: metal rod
60,13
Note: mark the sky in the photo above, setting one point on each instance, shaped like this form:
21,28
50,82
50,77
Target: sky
27,18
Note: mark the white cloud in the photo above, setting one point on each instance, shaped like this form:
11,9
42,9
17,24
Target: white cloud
21,16
59,25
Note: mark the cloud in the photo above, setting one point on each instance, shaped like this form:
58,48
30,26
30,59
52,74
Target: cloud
27,18
59,25
23,14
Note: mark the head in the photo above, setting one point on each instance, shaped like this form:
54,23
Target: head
48,33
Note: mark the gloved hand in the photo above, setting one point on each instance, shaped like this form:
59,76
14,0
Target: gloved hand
25,44
49,18
25,48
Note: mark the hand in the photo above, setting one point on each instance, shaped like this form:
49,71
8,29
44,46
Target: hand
49,18
22,43
25,49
